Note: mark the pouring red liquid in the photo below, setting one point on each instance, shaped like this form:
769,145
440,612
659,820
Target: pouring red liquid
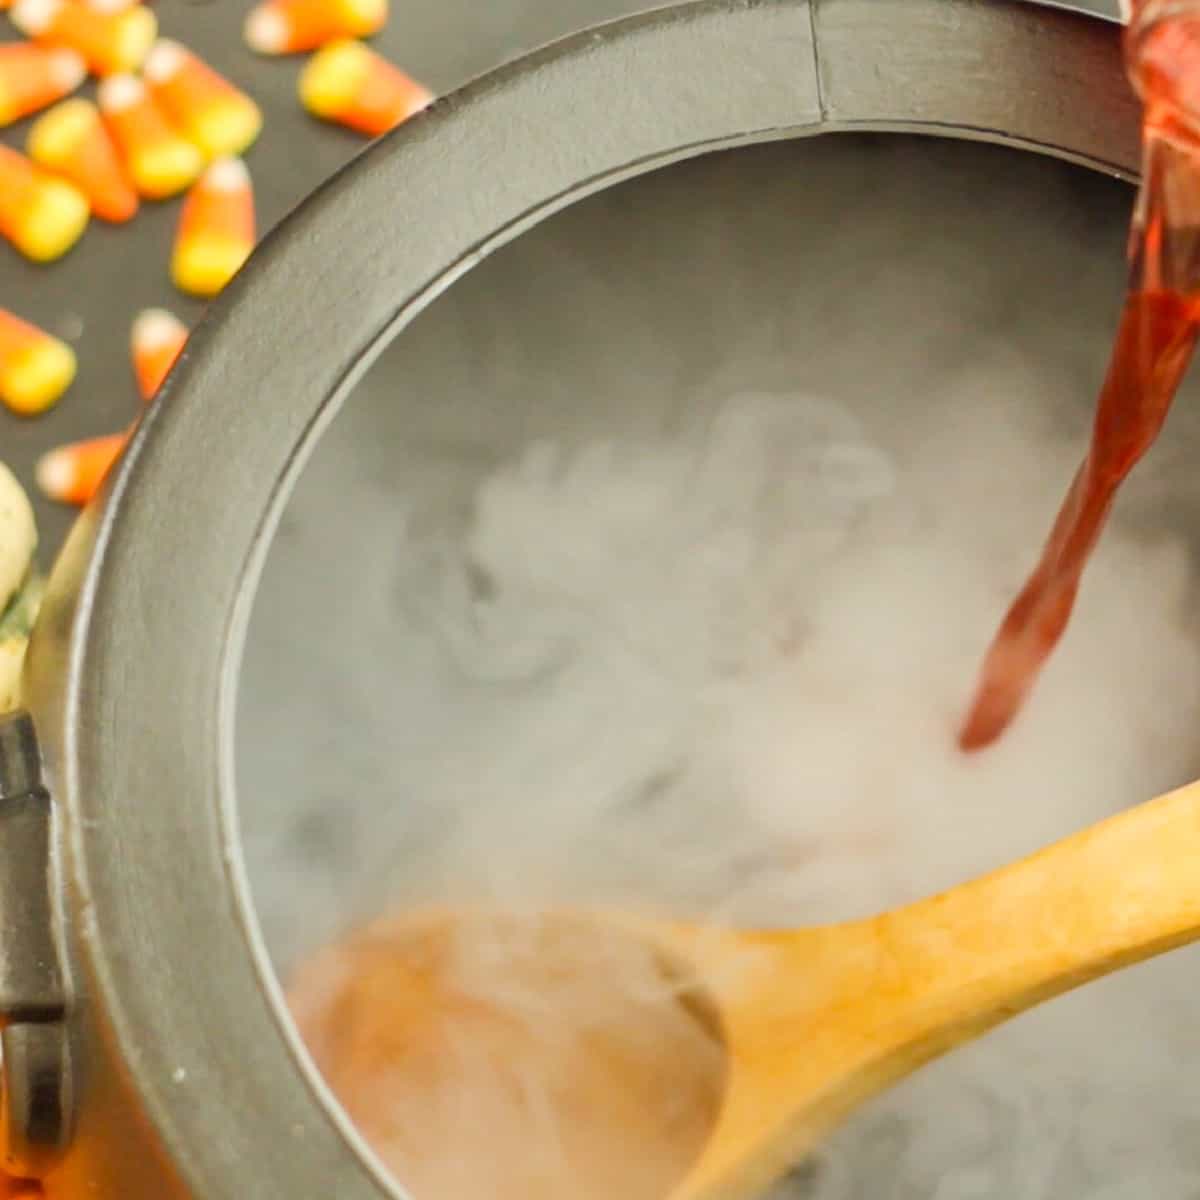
1155,340
1153,347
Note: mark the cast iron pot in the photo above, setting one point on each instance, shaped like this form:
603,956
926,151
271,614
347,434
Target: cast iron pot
146,1052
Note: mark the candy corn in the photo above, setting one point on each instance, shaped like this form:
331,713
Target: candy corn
349,83
216,229
219,118
289,26
34,77
35,368
155,341
72,474
109,41
72,141
42,216
161,161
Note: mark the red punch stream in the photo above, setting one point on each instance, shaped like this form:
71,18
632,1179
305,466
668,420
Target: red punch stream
1153,346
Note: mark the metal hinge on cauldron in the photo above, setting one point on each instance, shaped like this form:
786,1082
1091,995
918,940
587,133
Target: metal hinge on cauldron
34,1066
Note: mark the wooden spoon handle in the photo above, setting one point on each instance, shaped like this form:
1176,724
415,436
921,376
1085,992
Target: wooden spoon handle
1117,893
835,1014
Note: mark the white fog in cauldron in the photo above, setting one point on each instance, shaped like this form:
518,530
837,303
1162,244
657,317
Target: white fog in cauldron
716,670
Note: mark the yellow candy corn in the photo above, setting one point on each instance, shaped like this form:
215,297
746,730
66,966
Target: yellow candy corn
35,368
42,216
214,114
160,160
216,229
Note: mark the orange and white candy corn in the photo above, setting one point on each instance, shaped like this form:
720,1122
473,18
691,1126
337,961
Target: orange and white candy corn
349,83
72,141
108,41
72,474
35,368
217,116
155,342
216,229
41,215
33,77
290,26
160,160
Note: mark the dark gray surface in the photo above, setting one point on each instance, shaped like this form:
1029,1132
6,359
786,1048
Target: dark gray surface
91,295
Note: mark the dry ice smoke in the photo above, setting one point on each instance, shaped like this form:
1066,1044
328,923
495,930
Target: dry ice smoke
719,675
717,670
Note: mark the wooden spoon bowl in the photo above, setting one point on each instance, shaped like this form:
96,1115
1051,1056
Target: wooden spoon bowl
777,1036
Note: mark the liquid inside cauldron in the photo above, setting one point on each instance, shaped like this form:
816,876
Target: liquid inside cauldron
652,567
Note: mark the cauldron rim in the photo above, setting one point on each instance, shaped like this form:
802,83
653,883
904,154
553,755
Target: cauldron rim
177,1023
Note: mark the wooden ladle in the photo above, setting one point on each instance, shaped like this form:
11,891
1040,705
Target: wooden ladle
815,1021
830,1016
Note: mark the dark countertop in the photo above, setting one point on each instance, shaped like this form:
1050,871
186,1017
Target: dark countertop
90,296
